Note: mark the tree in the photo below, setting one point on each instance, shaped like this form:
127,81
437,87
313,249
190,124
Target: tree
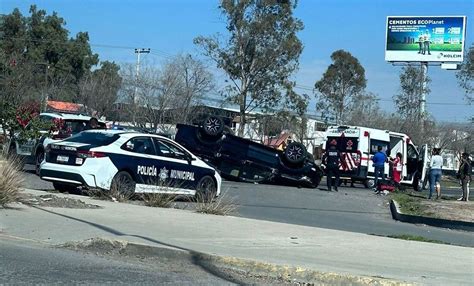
260,54
194,81
166,95
99,89
411,92
365,110
342,81
40,43
466,75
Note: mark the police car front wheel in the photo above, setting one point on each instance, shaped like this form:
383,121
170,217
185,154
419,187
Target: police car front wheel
123,183
206,190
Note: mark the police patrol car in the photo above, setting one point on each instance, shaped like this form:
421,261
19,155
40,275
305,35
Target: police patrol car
133,162
32,151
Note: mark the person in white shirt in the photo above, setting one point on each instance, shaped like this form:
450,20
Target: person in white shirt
436,165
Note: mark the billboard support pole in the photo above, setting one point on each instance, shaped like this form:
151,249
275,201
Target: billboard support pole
424,75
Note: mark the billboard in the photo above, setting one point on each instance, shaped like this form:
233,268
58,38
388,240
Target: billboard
425,38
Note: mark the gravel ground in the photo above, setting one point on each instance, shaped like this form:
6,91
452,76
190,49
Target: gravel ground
50,200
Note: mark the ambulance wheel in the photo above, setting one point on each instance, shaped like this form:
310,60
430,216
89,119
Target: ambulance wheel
369,183
295,153
425,183
418,184
123,183
206,190
64,188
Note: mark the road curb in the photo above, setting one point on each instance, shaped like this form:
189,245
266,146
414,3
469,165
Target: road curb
216,264
437,222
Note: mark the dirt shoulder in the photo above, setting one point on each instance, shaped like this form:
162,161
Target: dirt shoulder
445,208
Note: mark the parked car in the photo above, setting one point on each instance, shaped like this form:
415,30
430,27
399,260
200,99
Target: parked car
241,159
32,151
133,162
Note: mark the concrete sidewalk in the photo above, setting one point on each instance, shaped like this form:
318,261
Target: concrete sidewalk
284,244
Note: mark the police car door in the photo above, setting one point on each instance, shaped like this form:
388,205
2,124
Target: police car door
178,171
423,165
142,162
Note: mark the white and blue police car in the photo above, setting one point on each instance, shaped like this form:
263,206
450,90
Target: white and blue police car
131,161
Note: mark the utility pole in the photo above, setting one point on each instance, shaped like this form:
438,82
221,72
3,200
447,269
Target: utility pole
139,52
424,75
135,99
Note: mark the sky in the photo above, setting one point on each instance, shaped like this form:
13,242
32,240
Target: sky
168,27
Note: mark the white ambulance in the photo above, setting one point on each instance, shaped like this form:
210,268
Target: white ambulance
358,145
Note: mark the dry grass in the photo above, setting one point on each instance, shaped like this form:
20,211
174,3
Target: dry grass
11,181
158,200
115,194
216,206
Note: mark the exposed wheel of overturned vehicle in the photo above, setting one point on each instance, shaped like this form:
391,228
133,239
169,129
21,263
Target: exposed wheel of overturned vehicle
213,126
295,153
64,188
211,131
206,190
123,183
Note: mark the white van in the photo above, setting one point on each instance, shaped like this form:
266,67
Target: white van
358,144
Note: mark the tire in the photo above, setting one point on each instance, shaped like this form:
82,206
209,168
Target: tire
417,184
295,153
38,159
13,155
369,183
206,139
64,188
213,126
316,181
425,182
206,190
123,183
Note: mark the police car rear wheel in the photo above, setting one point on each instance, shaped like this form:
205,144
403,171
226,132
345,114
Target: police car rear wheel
369,183
39,159
206,190
123,183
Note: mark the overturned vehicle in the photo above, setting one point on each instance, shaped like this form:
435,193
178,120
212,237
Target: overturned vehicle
244,160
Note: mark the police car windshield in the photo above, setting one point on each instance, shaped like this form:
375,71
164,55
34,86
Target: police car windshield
94,138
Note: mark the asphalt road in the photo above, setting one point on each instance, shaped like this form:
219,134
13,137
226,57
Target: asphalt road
351,209
29,263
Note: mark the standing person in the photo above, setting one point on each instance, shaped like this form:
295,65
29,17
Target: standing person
332,159
436,165
397,168
464,174
379,160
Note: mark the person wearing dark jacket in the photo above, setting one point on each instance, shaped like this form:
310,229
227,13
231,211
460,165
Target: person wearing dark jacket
379,160
332,160
464,174
92,124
